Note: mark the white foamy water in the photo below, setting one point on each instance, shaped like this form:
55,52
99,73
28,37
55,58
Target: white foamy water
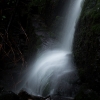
51,65
72,16
48,67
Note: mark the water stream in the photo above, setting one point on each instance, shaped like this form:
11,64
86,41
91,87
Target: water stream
54,67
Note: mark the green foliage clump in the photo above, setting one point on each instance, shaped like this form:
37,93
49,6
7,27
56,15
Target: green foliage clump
86,50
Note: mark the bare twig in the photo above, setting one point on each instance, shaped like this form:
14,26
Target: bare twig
6,53
0,47
4,39
24,32
8,43
14,11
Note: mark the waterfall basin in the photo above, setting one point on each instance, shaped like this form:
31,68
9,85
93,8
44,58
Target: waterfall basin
48,71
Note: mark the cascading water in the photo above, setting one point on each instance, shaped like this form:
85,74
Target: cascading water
71,19
51,65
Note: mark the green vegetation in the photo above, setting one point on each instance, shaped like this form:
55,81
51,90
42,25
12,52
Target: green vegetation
86,50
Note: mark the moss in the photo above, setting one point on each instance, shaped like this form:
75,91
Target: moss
86,49
90,96
95,28
85,93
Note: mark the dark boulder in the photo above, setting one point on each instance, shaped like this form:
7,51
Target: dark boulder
8,95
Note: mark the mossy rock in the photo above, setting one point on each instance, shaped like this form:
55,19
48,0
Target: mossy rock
86,94
86,49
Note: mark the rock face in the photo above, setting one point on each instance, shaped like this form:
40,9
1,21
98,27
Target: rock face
86,47
8,95
22,95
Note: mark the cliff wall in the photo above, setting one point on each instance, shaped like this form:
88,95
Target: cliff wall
87,52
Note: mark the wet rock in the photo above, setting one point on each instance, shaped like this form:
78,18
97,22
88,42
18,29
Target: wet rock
62,98
86,49
22,95
8,95
25,96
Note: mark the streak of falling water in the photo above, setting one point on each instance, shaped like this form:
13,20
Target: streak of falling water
71,19
50,66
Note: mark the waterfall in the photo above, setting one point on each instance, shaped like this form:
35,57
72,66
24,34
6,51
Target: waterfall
71,19
52,67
